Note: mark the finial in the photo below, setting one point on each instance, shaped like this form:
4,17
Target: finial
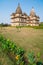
18,4
32,8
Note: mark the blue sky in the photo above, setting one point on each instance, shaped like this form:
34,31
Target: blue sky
7,7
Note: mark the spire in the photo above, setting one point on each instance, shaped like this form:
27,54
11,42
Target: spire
18,10
32,9
32,13
18,4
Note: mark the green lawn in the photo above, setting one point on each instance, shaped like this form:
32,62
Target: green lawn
28,38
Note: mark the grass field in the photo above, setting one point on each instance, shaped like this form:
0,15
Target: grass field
28,38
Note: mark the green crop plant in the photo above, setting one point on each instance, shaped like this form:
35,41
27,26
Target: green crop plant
31,58
20,51
1,38
19,60
13,47
38,56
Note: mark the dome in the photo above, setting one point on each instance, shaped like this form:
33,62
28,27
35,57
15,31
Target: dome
25,14
18,10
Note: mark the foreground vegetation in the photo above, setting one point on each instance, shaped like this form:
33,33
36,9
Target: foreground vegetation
17,54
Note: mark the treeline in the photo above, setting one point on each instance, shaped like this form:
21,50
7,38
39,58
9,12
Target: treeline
4,25
41,24
35,27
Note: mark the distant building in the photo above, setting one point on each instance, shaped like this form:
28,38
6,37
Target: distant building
22,19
